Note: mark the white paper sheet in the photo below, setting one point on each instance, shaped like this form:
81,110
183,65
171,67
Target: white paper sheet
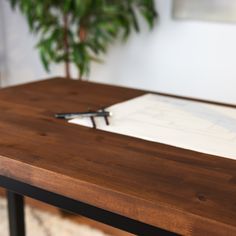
187,124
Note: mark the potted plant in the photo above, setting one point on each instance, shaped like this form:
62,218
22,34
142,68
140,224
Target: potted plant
78,31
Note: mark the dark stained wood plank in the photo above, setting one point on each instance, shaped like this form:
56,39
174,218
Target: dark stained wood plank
179,190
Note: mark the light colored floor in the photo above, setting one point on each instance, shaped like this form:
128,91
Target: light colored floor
41,223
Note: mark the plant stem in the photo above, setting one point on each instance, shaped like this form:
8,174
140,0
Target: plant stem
66,46
80,35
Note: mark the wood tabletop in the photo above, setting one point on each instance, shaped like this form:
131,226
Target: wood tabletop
175,189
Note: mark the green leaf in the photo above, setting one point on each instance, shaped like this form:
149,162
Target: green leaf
44,59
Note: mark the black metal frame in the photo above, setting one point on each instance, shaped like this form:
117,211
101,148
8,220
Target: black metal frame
17,189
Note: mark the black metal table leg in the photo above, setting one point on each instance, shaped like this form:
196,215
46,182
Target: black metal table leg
16,214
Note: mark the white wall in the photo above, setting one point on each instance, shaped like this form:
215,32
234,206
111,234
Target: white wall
188,58
3,60
23,64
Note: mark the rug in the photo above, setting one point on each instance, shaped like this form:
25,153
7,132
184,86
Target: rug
41,223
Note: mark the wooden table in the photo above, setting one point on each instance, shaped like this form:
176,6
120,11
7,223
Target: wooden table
142,187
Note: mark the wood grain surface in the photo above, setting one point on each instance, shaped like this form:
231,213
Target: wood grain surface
175,189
